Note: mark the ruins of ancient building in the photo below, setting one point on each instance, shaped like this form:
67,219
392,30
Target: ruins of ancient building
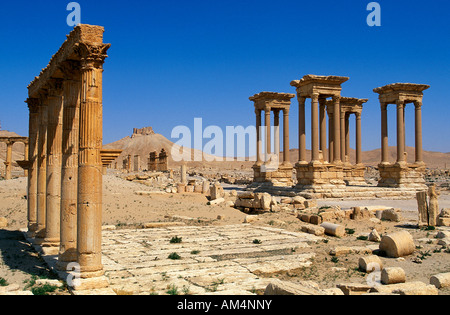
10,141
65,169
330,172
268,167
402,173
317,173
158,162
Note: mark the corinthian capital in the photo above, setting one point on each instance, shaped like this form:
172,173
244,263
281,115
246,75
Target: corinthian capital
92,55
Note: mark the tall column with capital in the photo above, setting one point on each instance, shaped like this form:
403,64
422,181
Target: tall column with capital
286,140
323,128
343,136
258,138
8,163
315,128
337,129
42,169
418,131
384,135
33,106
277,147
347,138
89,211
330,138
401,158
267,112
54,156
69,174
302,130
358,139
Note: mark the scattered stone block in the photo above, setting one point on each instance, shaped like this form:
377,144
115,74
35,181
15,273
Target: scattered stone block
397,245
246,195
216,191
441,281
313,229
181,188
422,204
354,288
374,236
393,215
406,288
3,223
250,218
333,229
315,219
157,225
310,203
393,276
370,264
217,201
278,287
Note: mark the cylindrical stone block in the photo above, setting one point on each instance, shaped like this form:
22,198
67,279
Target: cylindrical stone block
333,229
393,276
181,188
397,245
370,264
441,280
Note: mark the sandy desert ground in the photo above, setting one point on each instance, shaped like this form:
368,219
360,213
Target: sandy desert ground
126,210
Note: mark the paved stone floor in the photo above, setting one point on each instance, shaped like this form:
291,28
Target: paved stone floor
214,260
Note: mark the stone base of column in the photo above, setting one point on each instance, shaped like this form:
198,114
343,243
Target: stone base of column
354,175
402,176
319,175
281,177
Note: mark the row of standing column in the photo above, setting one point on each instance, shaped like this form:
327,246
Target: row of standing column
268,151
401,139
318,130
65,169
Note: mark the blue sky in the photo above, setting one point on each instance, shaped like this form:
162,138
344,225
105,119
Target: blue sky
173,61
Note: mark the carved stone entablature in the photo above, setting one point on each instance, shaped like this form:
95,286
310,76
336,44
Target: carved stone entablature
404,92
328,86
272,100
84,42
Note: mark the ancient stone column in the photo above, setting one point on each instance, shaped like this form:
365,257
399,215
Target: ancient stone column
343,136
26,154
330,139
400,133
384,135
337,130
69,174
258,138
418,129
268,134
323,127
315,128
8,164
277,146
89,212
54,157
286,141
137,163
42,170
358,139
347,138
302,130
183,174
33,105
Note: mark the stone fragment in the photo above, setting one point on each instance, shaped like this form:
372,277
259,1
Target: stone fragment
397,245
246,195
374,236
333,229
422,204
278,287
217,201
354,288
216,191
393,215
250,218
3,223
370,264
310,203
313,229
441,281
433,206
315,219
393,276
